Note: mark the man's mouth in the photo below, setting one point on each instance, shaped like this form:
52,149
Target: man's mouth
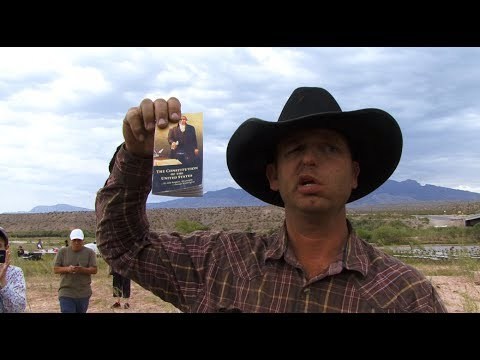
307,180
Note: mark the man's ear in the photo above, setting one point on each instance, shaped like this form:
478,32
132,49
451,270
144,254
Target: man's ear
271,172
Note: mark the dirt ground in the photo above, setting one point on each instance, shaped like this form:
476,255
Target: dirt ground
42,297
460,295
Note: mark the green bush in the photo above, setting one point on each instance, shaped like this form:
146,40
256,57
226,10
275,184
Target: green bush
364,234
187,226
388,235
474,231
47,233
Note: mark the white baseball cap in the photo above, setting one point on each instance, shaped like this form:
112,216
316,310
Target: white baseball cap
76,234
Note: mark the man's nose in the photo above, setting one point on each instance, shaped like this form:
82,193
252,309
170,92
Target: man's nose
310,157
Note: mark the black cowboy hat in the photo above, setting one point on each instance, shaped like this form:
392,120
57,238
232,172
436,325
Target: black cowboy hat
374,137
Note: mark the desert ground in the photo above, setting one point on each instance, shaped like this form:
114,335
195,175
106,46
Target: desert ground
459,288
459,294
42,297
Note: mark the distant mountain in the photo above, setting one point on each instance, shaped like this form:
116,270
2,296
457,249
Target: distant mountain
410,191
57,208
228,197
390,193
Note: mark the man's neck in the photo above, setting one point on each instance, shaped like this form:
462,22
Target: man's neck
317,240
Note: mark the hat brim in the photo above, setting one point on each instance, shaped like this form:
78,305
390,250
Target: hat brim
374,137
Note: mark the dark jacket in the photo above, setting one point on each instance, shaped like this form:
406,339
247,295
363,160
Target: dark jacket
187,143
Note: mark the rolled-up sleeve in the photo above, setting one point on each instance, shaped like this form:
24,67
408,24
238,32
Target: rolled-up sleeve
158,262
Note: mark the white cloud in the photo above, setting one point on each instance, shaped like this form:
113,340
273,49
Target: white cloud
61,109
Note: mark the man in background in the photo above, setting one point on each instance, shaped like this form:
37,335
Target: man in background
76,264
121,289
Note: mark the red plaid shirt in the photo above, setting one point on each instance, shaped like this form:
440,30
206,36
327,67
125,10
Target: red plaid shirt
208,271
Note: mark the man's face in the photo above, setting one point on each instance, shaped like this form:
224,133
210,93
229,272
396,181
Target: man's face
77,244
314,171
183,120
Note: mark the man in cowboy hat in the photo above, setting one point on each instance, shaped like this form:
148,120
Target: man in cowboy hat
312,161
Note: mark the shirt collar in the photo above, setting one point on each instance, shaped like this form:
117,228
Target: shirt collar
354,258
278,244
355,253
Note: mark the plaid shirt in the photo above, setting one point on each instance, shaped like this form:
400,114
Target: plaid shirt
208,271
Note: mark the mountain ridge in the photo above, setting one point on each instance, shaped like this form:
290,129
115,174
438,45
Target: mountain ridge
392,192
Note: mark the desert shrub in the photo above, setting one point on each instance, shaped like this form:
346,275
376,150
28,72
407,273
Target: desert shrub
474,232
388,235
398,224
187,226
424,220
364,234
47,233
370,223
40,233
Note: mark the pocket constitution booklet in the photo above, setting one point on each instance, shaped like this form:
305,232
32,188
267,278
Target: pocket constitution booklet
178,158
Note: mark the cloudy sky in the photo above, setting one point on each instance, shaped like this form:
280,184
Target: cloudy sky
61,109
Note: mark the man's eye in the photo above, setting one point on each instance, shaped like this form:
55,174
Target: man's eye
292,150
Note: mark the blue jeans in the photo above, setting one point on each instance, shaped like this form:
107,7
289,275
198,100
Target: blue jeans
73,305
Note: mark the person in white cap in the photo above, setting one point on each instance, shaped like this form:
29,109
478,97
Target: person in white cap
76,264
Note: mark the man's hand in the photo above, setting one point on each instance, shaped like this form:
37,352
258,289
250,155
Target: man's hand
139,124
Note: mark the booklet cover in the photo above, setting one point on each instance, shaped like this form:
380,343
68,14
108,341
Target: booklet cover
178,158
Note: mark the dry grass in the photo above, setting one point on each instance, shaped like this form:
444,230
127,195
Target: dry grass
455,284
42,295
458,290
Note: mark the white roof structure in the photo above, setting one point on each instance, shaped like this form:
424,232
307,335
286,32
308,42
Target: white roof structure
93,246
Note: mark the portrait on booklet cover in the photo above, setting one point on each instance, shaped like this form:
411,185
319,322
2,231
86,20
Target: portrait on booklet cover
178,157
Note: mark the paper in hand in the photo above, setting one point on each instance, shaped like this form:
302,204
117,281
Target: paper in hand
178,158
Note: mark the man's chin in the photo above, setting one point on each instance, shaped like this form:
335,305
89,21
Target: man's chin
313,204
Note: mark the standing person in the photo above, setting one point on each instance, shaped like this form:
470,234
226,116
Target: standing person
183,142
313,161
12,282
75,264
121,289
39,244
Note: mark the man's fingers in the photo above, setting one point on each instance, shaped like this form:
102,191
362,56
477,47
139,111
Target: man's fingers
161,113
133,124
166,111
139,123
148,114
174,109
